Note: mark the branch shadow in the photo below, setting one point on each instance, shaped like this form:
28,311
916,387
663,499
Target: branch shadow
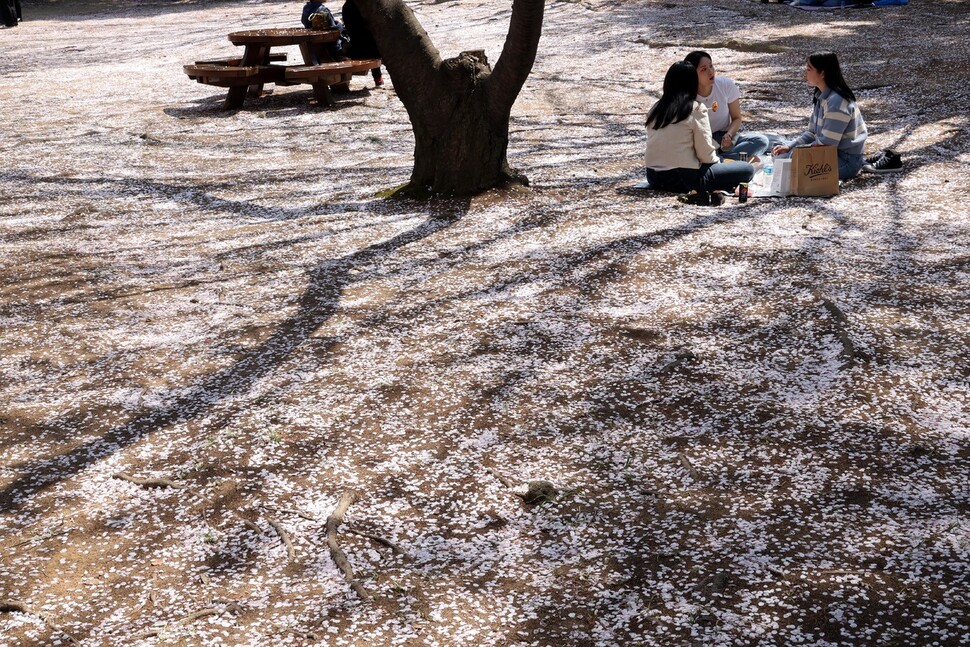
326,281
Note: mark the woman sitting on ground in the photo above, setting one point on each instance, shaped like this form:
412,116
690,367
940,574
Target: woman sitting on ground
722,98
835,119
681,156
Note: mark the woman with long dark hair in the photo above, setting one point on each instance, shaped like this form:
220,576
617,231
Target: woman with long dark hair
722,98
681,155
835,119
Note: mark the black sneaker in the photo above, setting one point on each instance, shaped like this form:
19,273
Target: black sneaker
885,161
702,198
872,159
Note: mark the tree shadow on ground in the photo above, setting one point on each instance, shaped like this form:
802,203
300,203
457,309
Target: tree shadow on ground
274,104
319,301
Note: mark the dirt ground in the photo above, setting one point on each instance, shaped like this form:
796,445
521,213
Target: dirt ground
756,417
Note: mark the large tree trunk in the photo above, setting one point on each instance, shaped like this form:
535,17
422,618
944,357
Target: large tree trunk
459,145
459,108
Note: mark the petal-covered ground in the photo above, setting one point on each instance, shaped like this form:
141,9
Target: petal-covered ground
756,417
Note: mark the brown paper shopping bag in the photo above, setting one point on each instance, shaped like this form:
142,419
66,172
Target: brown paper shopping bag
814,170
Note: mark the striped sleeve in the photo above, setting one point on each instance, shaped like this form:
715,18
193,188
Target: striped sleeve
809,136
837,118
838,122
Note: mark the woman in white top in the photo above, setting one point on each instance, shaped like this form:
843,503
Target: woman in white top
722,98
681,155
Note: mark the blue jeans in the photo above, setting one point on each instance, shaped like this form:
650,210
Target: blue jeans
850,165
827,3
709,177
750,143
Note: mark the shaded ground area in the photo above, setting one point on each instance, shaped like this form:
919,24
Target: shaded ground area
756,416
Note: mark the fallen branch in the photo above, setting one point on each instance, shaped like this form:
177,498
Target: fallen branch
285,536
309,517
146,482
338,555
380,540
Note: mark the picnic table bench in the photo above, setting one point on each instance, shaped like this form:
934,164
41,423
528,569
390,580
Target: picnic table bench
246,75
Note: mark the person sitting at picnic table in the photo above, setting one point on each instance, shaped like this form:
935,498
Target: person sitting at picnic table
835,120
362,44
681,155
722,98
317,16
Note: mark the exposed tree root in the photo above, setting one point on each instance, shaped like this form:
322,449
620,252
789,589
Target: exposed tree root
41,537
694,474
848,353
249,523
380,540
777,571
146,482
338,555
299,513
680,357
16,606
733,44
192,617
199,614
305,635
285,536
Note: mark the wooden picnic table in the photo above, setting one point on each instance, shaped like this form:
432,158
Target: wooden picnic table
257,66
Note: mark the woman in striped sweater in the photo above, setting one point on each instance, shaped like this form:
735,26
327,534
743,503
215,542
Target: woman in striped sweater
835,119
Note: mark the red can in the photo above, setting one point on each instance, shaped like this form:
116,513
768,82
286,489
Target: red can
743,192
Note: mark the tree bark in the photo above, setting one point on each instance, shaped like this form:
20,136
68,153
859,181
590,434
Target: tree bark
459,108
